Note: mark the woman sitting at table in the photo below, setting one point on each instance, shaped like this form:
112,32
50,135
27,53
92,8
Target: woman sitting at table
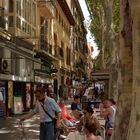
90,130
64,113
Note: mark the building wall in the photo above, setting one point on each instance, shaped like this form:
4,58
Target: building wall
61,28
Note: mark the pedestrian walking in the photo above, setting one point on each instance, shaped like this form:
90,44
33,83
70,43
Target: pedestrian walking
47,108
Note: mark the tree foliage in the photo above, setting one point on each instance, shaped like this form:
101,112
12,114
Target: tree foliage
104,24
96,63
116,15
96,20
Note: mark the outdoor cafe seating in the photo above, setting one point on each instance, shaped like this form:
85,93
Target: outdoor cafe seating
90,102
75,135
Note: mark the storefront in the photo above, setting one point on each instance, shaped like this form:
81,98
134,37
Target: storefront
24,99
16,76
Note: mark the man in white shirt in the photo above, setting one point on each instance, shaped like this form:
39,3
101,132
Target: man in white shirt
2,105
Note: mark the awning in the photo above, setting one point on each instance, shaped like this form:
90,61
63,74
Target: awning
23,48
45,72
19,50
45,56
99,76
14,78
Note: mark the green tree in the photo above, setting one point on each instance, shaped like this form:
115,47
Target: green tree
105,27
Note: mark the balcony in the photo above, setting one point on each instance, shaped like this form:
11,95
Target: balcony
80,65
46,8
44,45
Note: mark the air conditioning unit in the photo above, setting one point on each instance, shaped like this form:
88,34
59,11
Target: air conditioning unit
5,65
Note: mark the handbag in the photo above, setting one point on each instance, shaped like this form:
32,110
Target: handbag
53,119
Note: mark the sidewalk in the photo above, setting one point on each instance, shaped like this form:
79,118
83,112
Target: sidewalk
10,128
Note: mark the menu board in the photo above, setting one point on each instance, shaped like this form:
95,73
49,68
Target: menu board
18,105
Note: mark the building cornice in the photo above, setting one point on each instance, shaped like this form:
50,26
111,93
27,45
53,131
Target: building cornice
79,9
63,4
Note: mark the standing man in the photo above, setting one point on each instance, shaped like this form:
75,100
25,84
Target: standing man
108,111
46,123
2,105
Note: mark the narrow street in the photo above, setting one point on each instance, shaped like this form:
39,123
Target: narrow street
63,48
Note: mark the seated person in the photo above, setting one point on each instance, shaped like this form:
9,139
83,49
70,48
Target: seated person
64,111
90,130
87,117
66,117
76,107
76,102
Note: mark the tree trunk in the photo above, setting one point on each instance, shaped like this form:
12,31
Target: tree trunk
114,68
125,78
134,125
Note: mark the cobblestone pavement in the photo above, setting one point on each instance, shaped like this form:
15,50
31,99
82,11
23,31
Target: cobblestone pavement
11,130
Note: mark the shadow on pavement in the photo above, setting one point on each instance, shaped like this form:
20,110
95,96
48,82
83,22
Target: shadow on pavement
10,129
